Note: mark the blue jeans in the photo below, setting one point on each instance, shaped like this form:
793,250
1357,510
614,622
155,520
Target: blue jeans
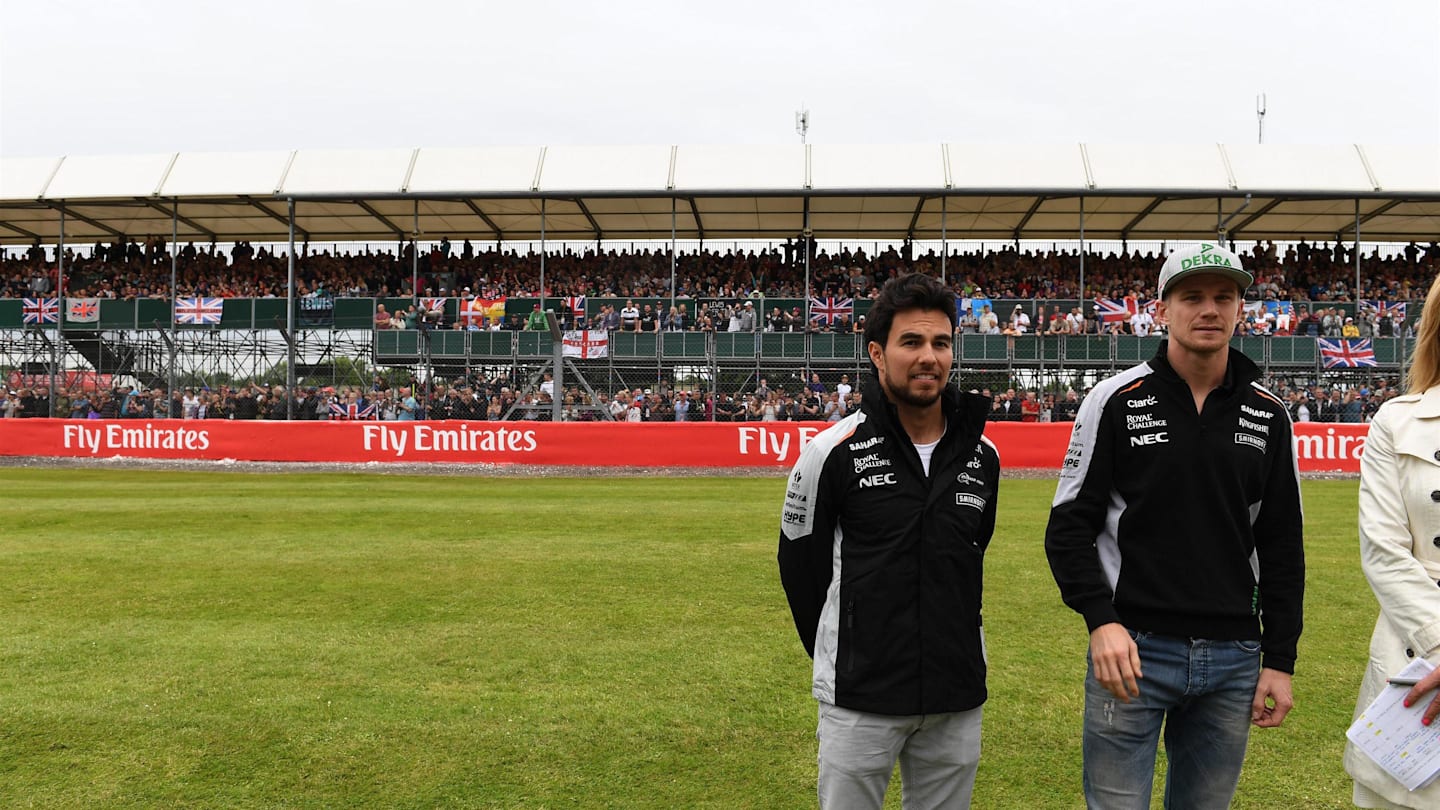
1201,692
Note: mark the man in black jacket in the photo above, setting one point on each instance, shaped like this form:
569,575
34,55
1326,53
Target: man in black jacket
1176,533
886,519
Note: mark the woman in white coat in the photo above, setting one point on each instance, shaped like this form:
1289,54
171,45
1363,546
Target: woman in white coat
1400,551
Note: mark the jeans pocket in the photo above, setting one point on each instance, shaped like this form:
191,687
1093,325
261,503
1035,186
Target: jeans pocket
1247,646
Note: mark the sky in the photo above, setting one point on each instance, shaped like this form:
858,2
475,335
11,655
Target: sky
93,77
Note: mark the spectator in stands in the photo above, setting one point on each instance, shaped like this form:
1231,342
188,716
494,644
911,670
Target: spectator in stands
1019,322
630,317
1029,407
746,317
1059,324
776,322
1065,409
1351,407
1141,323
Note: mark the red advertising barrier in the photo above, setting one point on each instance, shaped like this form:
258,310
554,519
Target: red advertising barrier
1319,448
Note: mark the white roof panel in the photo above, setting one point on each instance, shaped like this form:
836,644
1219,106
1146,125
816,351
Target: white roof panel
1299,168
90,177
1006,166
919,166
217,174
1405,168
740,168
350,171
25,178
495,169
606,168
1146,166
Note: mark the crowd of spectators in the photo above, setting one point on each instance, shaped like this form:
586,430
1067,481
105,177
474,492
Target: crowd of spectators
477,398
133,269
1355,401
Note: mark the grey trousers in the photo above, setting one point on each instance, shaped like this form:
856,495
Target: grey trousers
938,756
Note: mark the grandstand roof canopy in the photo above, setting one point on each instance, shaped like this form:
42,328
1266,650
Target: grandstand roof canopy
960,191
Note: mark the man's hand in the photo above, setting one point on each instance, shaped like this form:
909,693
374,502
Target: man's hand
1273,699
1116,660
1418,690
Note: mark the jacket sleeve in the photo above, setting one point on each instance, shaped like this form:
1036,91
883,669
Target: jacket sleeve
1077,516
1406,592
1280,551
807,541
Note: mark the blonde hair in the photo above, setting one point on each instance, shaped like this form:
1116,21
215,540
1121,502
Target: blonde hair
1424,372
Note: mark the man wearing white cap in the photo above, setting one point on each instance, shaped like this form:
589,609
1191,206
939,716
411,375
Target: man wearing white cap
1176,533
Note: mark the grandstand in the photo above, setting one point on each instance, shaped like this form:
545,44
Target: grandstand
1037,226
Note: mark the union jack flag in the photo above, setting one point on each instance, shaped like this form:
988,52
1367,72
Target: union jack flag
1111,310
576,305
82,310
197,311
831,310
429,304
351,411
41,310
1387,309
1347,352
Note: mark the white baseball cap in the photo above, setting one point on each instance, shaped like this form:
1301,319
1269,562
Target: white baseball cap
1206,257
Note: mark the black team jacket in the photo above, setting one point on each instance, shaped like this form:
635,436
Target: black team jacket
1182,523
882,564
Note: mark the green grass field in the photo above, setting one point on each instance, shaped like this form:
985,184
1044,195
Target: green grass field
226,640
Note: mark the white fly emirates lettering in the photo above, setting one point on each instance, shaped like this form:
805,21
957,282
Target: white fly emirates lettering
461,439
771,442
1329,446
108,438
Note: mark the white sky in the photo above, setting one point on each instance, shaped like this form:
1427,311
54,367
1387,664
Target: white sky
105,77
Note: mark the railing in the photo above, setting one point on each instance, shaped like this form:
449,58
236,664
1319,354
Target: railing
405,346
359,313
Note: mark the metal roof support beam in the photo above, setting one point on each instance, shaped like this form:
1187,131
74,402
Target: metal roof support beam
695,212
61,207
485,218
915,217
1140,217
265,209
1265,209
175,214
579,203
1367,217
19,230
369,209
1025,220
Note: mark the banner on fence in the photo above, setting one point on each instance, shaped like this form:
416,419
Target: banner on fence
1318,447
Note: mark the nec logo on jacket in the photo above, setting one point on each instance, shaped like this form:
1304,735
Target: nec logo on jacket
878,480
